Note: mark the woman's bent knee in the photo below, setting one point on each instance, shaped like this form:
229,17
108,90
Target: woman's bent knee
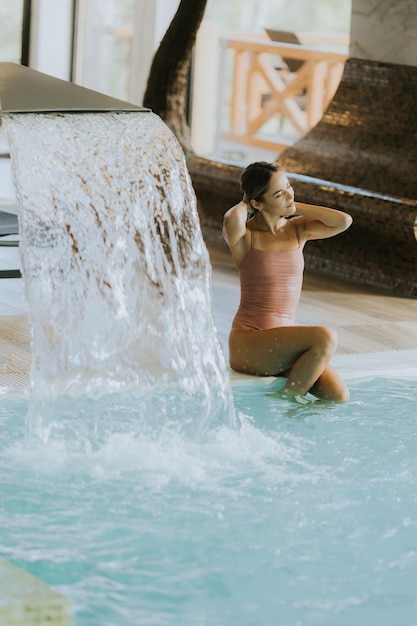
326,340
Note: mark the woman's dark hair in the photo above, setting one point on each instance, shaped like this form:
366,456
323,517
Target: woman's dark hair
255,178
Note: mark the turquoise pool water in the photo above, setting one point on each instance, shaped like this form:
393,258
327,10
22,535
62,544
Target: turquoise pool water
303,515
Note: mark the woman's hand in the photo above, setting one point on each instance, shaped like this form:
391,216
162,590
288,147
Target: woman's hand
250,210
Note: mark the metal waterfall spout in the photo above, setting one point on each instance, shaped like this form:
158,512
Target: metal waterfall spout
116,272
24,90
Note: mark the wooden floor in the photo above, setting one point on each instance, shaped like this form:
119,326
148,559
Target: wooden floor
377,326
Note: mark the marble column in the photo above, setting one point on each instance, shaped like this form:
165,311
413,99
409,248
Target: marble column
384,30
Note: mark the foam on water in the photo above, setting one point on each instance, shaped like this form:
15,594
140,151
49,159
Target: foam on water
116,272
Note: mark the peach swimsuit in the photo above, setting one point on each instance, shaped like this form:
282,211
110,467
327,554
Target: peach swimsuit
270,288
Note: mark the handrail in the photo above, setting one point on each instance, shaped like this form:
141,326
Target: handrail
294,51
263,90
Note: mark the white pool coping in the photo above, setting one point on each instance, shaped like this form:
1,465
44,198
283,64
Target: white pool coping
25,600
392,363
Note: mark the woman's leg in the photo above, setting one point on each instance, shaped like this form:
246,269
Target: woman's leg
303,352
330,387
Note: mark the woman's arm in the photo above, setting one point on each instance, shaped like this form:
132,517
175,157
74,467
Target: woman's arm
234,231
319,222
234,224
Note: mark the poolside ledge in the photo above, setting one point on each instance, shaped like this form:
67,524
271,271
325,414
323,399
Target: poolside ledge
27,601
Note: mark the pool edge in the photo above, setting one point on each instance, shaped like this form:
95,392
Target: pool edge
26,600
354,366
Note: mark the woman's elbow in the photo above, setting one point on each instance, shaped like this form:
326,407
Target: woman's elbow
347,221
224,233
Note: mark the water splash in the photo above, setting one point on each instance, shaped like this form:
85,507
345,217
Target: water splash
116,273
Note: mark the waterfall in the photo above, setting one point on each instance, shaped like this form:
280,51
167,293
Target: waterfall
116,275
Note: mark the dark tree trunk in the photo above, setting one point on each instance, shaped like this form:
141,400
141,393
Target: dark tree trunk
167,88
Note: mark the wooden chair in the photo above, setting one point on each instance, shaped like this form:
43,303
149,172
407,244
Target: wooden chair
284,36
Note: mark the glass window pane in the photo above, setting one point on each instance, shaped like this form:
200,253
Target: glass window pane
103,48
11,15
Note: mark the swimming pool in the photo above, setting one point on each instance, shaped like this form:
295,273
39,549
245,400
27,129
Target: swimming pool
301,515
286,515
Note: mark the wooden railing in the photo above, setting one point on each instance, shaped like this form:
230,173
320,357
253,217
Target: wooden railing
263,89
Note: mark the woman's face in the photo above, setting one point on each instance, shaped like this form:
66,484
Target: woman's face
279,198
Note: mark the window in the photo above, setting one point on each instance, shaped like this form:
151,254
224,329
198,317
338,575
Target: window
11,21
103,47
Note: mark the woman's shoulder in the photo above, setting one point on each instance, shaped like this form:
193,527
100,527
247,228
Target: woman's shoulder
236,211
297,223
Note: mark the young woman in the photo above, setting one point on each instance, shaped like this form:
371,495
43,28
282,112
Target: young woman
267,248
